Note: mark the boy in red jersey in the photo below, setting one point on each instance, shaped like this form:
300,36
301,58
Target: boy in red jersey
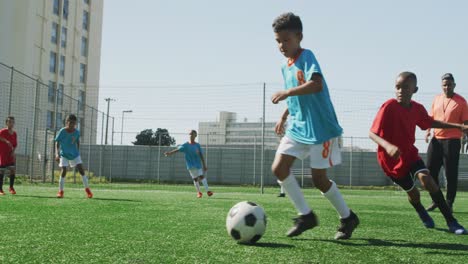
8,144
394,132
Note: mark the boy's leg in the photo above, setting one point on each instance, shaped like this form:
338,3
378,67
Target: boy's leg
62,182
439,199
12,180
1,182
85,180
414,197
205,184
451,160
330,191
281,168
348,219
434,163
281,194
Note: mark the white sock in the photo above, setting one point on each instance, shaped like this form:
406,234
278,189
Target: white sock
85,181
295,194
197,185
205,184
334,196
61,183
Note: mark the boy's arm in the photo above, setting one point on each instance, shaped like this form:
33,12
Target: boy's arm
279,127
442,124
6,141
392,150
315,85
57,151
169,153
203,161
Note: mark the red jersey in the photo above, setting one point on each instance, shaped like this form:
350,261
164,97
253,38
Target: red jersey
397,125
5,151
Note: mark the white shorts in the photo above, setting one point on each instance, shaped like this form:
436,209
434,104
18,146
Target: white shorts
322,156
64,162
195,173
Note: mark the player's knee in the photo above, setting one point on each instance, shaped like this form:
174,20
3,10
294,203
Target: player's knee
195,179
428,183
201,178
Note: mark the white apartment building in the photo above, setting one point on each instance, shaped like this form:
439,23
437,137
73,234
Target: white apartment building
57,42
228,131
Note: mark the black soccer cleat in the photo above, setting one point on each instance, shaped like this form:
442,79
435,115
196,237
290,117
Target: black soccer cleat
347,226
282,195
303,223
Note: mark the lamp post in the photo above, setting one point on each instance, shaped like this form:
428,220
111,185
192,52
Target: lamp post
121,131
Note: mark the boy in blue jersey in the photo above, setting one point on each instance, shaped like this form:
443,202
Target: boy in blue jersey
67,143
195,162
313,129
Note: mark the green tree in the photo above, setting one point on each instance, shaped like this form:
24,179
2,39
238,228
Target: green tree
148,137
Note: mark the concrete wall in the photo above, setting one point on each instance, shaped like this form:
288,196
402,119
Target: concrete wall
237,166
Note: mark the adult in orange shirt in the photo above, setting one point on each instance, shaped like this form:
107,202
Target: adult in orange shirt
444,148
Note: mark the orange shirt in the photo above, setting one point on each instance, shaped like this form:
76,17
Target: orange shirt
451,110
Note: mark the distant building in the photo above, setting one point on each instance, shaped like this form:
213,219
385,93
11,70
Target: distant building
228,131
57,42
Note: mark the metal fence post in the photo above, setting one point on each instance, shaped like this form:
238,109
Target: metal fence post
351,164
159,157
11,90
254,159
34,129
112,152
44,163
262,168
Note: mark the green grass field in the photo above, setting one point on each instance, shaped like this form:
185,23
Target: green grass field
131,223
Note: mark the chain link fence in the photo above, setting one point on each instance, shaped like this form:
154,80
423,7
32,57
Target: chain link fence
244,158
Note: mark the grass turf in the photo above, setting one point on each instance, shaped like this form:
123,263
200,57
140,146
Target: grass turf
131,223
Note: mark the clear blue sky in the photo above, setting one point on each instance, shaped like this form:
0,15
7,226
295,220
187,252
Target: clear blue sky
175,63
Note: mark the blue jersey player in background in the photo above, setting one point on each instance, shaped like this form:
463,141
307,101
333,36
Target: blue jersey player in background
195,162
312,129
67,144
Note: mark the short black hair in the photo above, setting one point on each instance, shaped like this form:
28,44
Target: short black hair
448,76
409,75
287,21
71,117
9,118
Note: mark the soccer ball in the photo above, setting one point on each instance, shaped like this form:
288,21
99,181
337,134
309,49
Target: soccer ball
246,222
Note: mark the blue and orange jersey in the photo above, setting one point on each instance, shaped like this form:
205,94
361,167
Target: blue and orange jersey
312,116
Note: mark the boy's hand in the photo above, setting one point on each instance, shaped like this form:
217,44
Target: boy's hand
428,135
464,128
205,168
57,158
279,96
393,151
279,127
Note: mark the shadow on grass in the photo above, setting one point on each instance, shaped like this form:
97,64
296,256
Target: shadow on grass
37,196
373,242
269,245
116,200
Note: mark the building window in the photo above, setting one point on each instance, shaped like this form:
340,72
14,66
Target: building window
81,100
56,7
63,37
51,92
50,118
85,20
62,65
84,46
60,95
59,120
82,73
86,2
53,62
53,37
65,9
